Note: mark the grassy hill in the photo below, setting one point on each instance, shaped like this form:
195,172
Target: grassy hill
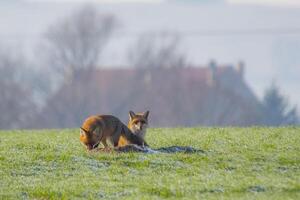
238,163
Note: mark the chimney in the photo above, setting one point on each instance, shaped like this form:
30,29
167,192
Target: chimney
212,68
241,69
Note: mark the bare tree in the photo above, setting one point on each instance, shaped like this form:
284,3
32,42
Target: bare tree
76,42
159,60
17,106
153,51
72,48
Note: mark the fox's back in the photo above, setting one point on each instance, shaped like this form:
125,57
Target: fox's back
104,122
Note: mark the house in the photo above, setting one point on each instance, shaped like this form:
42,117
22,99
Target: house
190,96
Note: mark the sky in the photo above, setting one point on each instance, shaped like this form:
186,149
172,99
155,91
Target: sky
258,2
267,2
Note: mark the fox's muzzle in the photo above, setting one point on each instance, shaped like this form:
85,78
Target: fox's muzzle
91,147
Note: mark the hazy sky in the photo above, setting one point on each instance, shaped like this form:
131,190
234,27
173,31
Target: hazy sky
267,2
261,2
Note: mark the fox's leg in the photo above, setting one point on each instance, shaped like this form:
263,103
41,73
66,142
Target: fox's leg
106,147
104,143
116,136
115,140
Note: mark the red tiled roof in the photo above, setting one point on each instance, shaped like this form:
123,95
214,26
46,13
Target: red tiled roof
188,74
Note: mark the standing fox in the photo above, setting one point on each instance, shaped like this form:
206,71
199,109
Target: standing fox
96,129
138,123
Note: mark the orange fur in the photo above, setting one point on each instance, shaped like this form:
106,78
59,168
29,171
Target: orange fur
138,123
99,129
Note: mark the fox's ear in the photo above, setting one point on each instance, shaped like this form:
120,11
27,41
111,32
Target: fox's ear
131,114
146,114
82,131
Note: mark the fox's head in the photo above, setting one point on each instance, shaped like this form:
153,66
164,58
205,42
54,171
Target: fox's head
138,123
88,138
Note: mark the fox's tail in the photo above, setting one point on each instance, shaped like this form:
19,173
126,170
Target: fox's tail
131,137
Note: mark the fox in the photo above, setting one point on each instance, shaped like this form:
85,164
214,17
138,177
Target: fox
138,124
98,129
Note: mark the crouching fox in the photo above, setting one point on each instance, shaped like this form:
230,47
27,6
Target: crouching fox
96,129
138,124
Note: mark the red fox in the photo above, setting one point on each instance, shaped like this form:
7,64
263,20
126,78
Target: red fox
138,123
96,129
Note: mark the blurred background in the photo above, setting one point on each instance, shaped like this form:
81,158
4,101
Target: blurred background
190,62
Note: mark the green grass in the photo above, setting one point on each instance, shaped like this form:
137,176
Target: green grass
238,163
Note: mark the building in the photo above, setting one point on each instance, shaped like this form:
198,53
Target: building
190,96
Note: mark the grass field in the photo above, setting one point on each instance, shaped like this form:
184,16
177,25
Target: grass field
238,163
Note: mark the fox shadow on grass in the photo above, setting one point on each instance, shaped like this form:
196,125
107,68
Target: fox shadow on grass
136,148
